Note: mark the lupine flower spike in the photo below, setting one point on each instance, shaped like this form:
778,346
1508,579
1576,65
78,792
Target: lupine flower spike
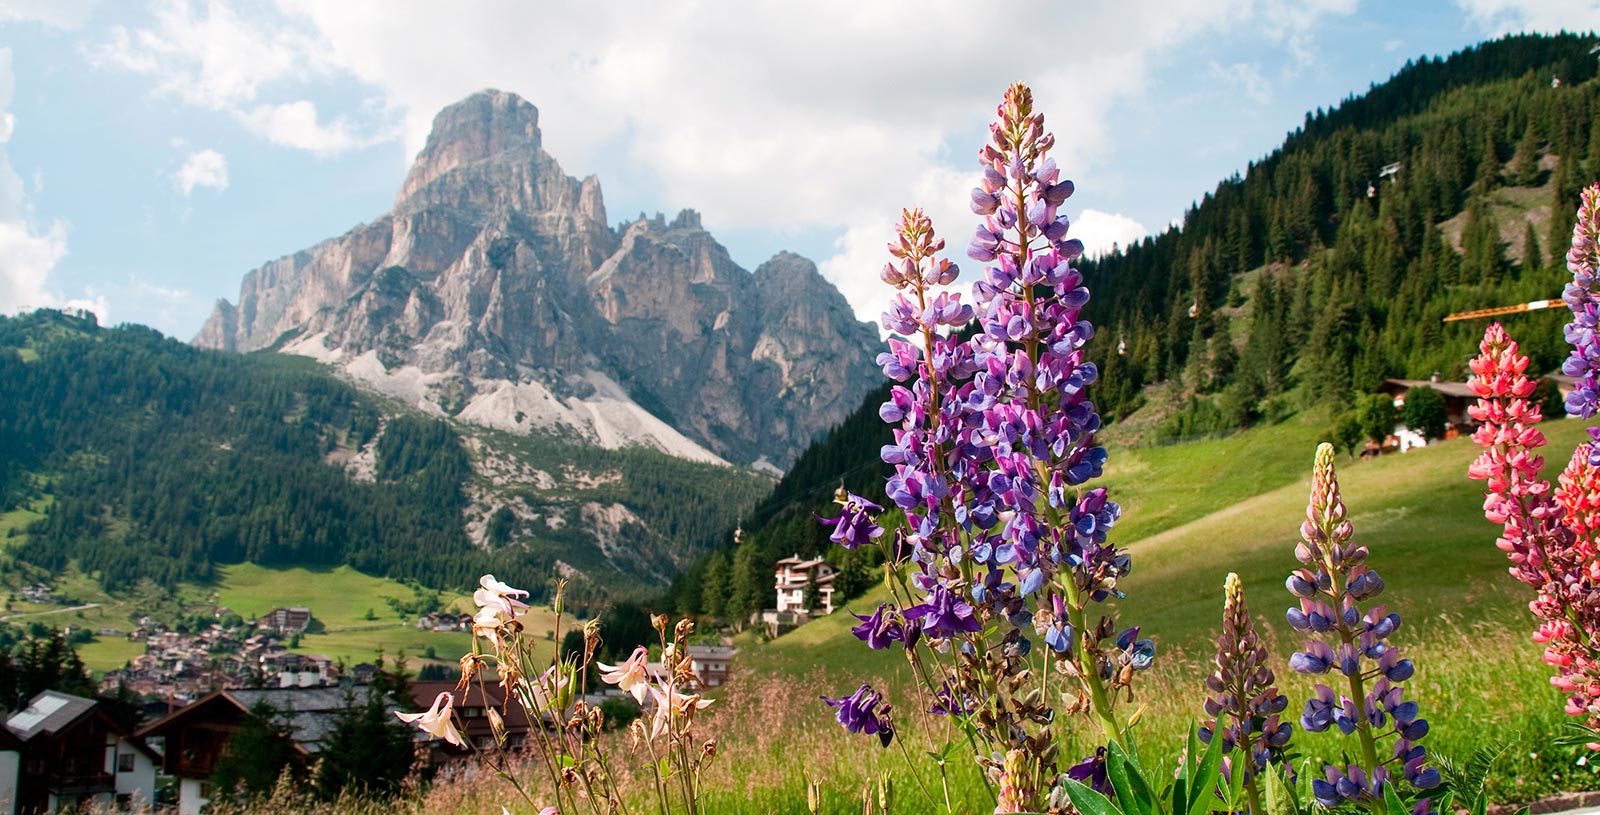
1003,548
1244,704
1332,586
1550,536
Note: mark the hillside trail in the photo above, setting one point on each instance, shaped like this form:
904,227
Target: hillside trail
51,611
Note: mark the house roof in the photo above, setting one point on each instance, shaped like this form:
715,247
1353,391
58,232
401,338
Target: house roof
50,712
1458,389
710,652
309,714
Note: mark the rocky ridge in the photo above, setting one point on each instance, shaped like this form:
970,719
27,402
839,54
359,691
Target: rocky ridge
495,291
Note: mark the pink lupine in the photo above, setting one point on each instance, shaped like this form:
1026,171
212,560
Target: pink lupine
1549,535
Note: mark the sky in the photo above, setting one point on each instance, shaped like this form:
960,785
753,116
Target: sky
152,153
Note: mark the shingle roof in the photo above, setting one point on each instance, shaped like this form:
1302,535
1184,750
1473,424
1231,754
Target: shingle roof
311,714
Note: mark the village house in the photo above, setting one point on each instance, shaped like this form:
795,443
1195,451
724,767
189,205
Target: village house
445,621
286,621
37,593
1458,396
472,706
193,737
795,578
710,663
63,752
795,575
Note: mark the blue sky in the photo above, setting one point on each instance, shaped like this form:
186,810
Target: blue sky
151,154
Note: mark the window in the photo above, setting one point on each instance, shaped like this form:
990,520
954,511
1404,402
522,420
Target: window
125,763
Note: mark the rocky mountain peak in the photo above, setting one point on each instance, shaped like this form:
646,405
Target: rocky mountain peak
496,292
487,125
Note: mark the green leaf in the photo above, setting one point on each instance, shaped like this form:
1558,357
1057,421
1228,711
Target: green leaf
1392,801
1117,769
1204,781
1089,802
1279,797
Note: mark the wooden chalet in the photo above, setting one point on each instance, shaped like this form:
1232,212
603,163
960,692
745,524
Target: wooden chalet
195,736
63,752
472,716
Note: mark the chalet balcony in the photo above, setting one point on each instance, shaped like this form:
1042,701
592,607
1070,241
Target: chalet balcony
80,783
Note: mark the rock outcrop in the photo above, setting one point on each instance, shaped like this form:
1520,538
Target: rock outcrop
496,291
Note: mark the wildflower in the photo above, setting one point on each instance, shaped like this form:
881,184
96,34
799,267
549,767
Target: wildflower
881,629
1343,638
1549,536
437,720
860,713
994,435
672,706
1583,333
945,614
853,525
549,691
1244,704
630,675
499,596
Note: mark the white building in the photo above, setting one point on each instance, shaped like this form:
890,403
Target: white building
63,752
794,577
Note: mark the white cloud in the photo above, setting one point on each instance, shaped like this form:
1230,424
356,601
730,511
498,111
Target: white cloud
28,252
764,114
203,168
60,14
209,56
1103,232
1247,77
1506,16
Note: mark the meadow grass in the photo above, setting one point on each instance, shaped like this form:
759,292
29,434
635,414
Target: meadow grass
1480,680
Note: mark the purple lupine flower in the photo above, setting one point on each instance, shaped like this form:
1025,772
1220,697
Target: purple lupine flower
854,525
1244,705
860,713
994,439
1583,333
1091,772
1334,580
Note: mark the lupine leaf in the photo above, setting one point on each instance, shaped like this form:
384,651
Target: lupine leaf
1121,773
1088,801
1280,799
1392,802
1204,780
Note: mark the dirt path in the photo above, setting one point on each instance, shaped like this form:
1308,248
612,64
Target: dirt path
51,611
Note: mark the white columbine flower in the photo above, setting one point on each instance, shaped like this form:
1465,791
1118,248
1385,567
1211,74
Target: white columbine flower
630,675
436,720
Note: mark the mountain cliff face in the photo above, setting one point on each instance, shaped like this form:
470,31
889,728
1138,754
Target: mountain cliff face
495,291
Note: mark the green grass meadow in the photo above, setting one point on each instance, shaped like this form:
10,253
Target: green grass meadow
1191,514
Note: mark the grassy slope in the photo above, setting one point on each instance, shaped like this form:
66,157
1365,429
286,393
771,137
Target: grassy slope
339,599
1479,679
1193,512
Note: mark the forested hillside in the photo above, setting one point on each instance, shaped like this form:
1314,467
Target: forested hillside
149,458
1302,284
1330,265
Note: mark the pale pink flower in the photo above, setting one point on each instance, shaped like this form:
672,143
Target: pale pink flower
545,690
486,623
630,675
436,720
671,705
499,596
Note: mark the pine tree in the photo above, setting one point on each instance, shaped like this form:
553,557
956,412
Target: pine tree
714,585
1532,258
1525,161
